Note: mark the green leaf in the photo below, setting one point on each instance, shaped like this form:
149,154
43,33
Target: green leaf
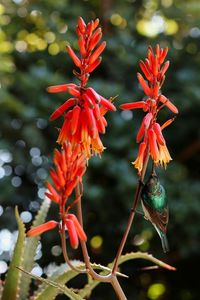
30,249
11,289
62,275
55,285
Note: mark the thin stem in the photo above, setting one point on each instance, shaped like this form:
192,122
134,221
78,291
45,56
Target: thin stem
86,257
117,287
132,214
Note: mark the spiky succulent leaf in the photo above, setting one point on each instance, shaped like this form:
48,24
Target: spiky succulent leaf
62,275
11,288
30,249
86,291
60,287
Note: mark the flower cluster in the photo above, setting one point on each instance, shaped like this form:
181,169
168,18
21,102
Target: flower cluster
69,168
150,134
84,113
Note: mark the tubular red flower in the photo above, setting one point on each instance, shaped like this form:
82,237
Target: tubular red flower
134,105
144,85
42,228
168,103
158,131
66,105
81,234
74,57
73,236
60,88
154,152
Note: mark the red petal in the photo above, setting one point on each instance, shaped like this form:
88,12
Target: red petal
74,57
147,120
42,228
91,122
145,70
81,24
73,237
81,43
96,23
164,68
169,104
134,105
93,95
81,234
73,92
94,65
163,55
60,88
107,104
61,109
97,52
75,119
89,28
53,192
153,146
95,38
158,132
140,133
144,85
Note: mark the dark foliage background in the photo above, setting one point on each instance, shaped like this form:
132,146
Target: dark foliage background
33,35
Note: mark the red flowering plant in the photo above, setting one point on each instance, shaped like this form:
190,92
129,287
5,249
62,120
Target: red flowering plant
79,138
150,131
84,113
69,167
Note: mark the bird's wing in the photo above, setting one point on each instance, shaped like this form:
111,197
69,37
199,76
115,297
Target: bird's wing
159,218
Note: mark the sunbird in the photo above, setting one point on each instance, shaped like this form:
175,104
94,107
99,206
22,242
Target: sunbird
155,207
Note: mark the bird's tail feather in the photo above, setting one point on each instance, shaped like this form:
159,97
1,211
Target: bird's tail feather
164,241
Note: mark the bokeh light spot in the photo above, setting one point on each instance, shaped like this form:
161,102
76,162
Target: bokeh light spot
156,290
2,9
1,210
56,250
16,181
6,240
49,37
26,216
171,27
34,152
21,46
96,241
54,49
127,115
116,19
37,270
3,266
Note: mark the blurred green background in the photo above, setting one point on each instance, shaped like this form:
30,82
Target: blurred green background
33,36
